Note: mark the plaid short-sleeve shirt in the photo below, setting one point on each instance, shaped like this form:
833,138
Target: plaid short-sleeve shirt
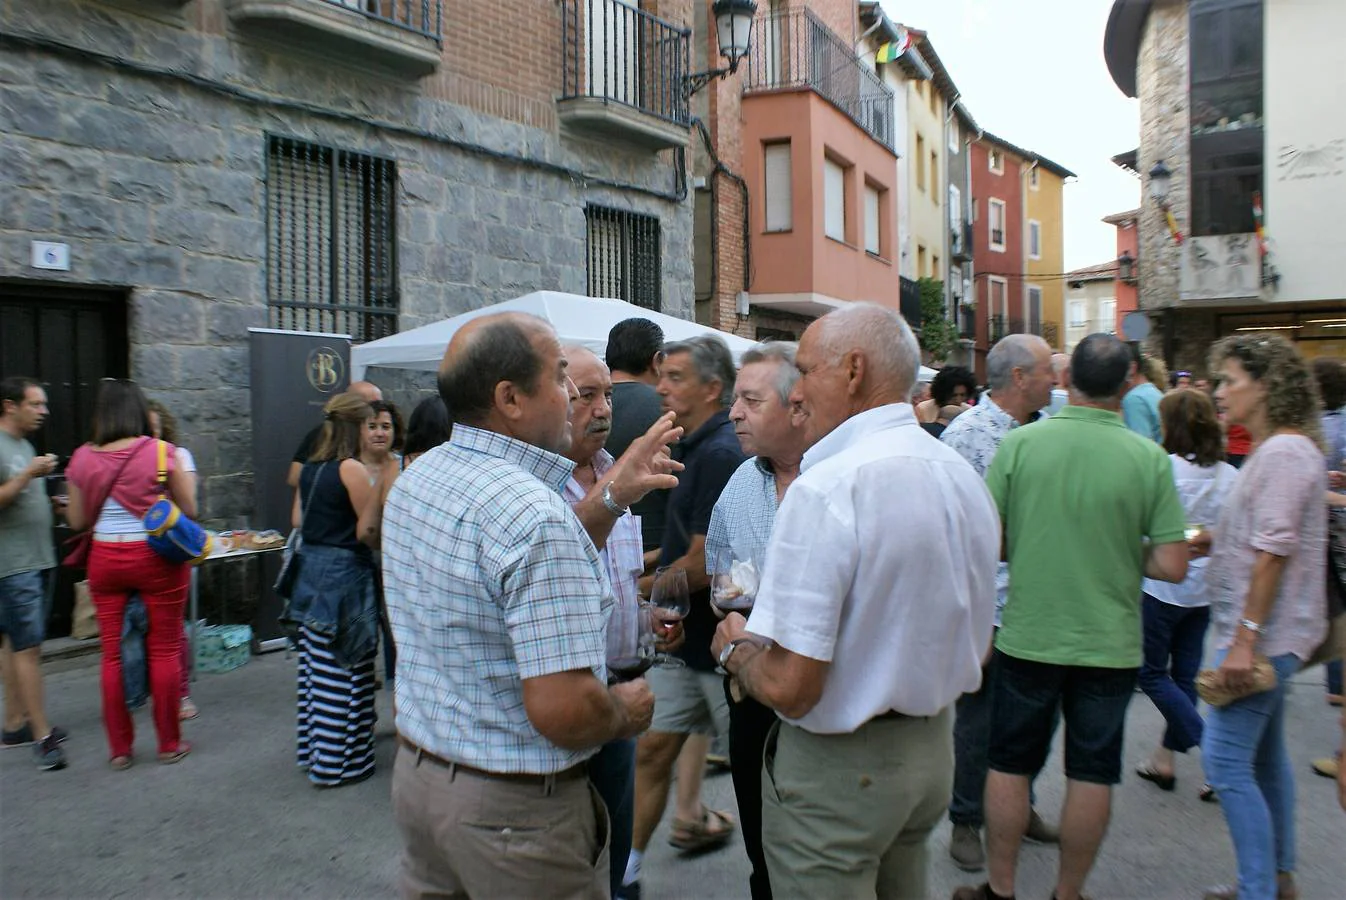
489,579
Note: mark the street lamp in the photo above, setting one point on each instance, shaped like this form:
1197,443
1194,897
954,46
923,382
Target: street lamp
1126,267
733,33
1160,181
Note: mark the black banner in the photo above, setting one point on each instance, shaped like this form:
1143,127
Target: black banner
294,373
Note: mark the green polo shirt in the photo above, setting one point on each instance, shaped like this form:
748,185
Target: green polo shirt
1078,495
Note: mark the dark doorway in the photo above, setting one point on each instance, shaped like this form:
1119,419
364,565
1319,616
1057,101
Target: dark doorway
67,338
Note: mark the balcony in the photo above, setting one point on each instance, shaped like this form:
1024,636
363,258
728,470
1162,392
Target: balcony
998,237
966,321
960,242
401,36
623,74
796,50
997,329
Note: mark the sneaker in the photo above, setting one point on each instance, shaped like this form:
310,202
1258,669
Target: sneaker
1328,766
19,737
22,737
965,848
1039,832
48,755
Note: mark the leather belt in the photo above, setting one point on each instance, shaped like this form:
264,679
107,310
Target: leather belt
135,537
579,770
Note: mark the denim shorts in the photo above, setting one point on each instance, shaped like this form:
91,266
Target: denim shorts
23,609
1025,698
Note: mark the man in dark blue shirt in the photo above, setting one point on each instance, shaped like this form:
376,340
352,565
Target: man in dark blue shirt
696,383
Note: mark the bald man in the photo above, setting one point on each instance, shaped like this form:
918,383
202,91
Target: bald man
1060,384
873,615
367,391
499,602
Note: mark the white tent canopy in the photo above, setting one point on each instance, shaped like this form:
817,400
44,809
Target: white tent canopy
577,319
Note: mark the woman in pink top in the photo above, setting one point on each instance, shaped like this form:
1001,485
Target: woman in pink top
113,480
1267,595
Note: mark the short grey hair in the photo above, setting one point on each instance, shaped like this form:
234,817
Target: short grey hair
882,334
712,359
783,354
1014,351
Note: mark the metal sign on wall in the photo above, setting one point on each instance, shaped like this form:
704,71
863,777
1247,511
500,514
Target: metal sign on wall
294,374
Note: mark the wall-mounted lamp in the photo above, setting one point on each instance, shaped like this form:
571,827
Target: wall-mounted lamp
1126,267
733,33
1161,179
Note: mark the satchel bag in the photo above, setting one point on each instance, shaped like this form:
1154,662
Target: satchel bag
169,532
290,561
77,547
1211,687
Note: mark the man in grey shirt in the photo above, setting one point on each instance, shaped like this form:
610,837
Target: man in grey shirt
635,349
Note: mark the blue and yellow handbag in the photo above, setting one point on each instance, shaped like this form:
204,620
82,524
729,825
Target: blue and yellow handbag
170,533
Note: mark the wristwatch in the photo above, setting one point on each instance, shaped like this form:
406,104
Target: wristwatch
1254,627
729,649
613,506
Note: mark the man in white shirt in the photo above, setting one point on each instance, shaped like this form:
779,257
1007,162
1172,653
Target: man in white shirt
879,596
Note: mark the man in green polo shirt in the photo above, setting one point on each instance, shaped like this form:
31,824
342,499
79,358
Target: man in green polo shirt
1088,508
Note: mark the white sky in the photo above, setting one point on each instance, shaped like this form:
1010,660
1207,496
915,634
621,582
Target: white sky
1033,73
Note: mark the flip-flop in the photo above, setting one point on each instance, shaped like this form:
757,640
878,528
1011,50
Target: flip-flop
120,763
1163,782
693,837
175,756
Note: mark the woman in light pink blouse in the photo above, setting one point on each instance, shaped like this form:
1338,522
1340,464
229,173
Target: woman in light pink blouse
1267,596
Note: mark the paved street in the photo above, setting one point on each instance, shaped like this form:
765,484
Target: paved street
237,819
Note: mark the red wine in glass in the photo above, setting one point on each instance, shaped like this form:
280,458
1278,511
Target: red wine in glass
628,668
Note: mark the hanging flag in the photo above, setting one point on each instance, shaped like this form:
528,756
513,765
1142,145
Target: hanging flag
1172,225
1257,222
891,50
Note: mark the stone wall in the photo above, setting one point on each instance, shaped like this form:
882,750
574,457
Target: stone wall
1161,75
148,157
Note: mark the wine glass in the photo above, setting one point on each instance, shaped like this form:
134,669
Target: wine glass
631,644
733,586
670,602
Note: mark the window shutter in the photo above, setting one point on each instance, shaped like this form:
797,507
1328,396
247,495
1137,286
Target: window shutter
779,196
872,219
834,193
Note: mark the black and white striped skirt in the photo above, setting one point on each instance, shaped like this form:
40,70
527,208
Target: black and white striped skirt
336,713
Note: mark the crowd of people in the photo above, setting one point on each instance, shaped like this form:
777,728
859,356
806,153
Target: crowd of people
885,595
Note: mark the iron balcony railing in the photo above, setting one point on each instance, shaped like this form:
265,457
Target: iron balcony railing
960,240
998,236
423,17
795,49
618,53
997,329
966,317
1048,331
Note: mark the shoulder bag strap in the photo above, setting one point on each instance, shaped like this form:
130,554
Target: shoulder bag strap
313,488
162,476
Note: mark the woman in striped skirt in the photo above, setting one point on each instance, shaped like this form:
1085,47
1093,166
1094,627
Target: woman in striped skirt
333,604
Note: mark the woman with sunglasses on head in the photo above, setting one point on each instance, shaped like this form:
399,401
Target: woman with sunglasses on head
113,480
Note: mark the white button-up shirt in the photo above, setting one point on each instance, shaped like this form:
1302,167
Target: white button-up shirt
882,563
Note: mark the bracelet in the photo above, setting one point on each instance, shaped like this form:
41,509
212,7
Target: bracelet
1252,626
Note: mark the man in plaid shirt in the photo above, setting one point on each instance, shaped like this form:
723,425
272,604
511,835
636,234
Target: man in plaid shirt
499,602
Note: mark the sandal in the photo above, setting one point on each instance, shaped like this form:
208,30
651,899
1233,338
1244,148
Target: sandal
693,837
187,710
175,756
1207,794
120,763
1152,775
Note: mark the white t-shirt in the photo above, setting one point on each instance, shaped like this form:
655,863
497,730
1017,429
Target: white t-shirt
882,563
186,462
1202,490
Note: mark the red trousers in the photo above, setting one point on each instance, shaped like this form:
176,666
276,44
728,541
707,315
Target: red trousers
115,570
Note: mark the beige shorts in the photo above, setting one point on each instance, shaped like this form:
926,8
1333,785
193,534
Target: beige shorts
687,701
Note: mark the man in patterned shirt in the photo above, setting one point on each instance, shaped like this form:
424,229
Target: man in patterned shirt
1020,371
771,431
499,603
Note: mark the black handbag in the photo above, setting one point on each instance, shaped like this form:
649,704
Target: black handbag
291,556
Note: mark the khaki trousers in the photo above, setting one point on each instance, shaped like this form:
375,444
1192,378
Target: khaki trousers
849,815
467,836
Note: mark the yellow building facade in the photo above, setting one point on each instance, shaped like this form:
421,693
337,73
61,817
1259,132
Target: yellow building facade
1045,249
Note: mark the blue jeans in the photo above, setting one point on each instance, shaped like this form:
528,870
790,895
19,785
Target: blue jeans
1243,751
23,609
1334,677
613,771
1174,637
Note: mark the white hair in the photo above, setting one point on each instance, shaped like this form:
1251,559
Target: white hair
884,337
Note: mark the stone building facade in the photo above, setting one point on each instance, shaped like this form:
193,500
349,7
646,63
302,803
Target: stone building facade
142,135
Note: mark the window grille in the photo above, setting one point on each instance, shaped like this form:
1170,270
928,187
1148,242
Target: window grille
624,256
331,240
